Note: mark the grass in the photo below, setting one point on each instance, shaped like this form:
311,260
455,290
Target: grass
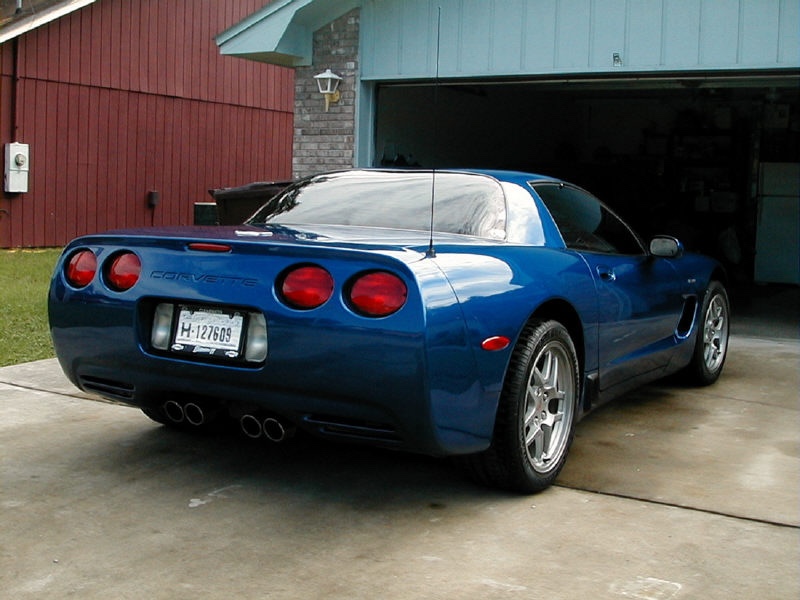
24,280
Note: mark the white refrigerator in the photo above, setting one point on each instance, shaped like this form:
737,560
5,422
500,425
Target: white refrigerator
778,226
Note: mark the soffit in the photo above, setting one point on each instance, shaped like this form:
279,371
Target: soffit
281,33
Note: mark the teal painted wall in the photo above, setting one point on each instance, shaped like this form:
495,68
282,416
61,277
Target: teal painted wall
484,38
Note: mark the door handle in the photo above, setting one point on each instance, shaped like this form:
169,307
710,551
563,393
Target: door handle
606,273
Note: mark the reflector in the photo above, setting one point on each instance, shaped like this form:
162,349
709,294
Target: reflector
494,343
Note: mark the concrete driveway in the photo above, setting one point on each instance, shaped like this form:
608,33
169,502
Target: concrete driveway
669,493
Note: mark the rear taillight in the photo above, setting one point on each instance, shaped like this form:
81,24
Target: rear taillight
377,294
81,268
123,271
306,287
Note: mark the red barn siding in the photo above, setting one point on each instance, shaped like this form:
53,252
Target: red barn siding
121,98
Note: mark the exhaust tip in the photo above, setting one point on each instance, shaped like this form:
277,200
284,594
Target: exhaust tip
274,430
194,414
174,411
251,426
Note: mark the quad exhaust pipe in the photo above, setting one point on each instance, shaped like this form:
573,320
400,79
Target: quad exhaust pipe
252,425
270,427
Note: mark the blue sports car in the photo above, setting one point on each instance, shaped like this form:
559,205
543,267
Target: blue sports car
474,314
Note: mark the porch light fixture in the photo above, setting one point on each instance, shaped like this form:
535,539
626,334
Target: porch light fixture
328,84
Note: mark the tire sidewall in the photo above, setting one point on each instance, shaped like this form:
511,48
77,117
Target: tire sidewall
516,391
702,373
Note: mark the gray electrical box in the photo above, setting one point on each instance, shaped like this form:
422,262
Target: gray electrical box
17,167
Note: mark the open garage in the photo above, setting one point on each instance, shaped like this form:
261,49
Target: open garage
683,116
672,155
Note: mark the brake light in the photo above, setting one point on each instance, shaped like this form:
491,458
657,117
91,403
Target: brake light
124,271
306,287
208,247
377,294
81,268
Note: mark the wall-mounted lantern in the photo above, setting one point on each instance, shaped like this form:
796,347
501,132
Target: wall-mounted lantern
328,84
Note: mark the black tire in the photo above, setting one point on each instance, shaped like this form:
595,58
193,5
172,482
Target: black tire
713,331
536,414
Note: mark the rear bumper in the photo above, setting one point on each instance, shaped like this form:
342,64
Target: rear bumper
351,385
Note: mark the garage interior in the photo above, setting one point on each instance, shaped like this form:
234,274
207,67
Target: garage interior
678,155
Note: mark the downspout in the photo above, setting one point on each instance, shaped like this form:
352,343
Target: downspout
14,89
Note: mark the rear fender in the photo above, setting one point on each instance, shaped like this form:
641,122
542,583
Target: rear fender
496,297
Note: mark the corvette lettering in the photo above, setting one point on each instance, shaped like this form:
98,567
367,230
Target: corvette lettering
204,278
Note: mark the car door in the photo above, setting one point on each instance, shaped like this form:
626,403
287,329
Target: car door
638,295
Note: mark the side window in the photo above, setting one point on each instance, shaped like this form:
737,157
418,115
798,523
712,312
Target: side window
585,223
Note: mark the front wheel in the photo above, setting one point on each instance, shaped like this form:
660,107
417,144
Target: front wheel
711,347
536,414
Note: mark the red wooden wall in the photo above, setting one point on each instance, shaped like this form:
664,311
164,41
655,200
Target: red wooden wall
123,97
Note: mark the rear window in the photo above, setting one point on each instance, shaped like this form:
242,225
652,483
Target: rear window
465,203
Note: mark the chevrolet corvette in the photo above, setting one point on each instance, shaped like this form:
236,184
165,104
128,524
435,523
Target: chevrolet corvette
472,314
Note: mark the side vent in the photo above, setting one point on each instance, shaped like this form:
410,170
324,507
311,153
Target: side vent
114,390
687,317
353,429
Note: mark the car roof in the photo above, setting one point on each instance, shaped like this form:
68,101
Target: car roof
499,174
520,177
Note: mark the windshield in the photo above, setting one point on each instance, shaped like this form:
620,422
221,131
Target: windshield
465,203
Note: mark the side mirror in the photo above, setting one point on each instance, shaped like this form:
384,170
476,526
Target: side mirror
666,246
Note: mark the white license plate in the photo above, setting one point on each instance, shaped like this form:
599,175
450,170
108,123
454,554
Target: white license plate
208,331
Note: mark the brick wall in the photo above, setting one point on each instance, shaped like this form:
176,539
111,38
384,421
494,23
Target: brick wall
324,141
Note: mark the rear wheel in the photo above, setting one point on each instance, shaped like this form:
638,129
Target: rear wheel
536,415
711,347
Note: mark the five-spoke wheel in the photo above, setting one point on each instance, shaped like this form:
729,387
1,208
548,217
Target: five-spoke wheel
711,347
536,414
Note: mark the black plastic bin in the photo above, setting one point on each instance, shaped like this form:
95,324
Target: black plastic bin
235,205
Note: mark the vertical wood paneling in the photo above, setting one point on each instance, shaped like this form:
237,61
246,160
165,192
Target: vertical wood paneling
416,24
49,127
759,19
644,30
105,211
573,32
93,172
472,45
384,50
681,33
124,97
788,40
540,38
608,32
576,36
719,19
507,35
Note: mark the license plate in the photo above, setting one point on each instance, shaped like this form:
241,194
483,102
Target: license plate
210,332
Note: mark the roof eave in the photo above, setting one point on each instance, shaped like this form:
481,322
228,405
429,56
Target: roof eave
31,22
281,33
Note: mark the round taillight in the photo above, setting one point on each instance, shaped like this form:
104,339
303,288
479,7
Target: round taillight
124,271
81,268
306,287
377,294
